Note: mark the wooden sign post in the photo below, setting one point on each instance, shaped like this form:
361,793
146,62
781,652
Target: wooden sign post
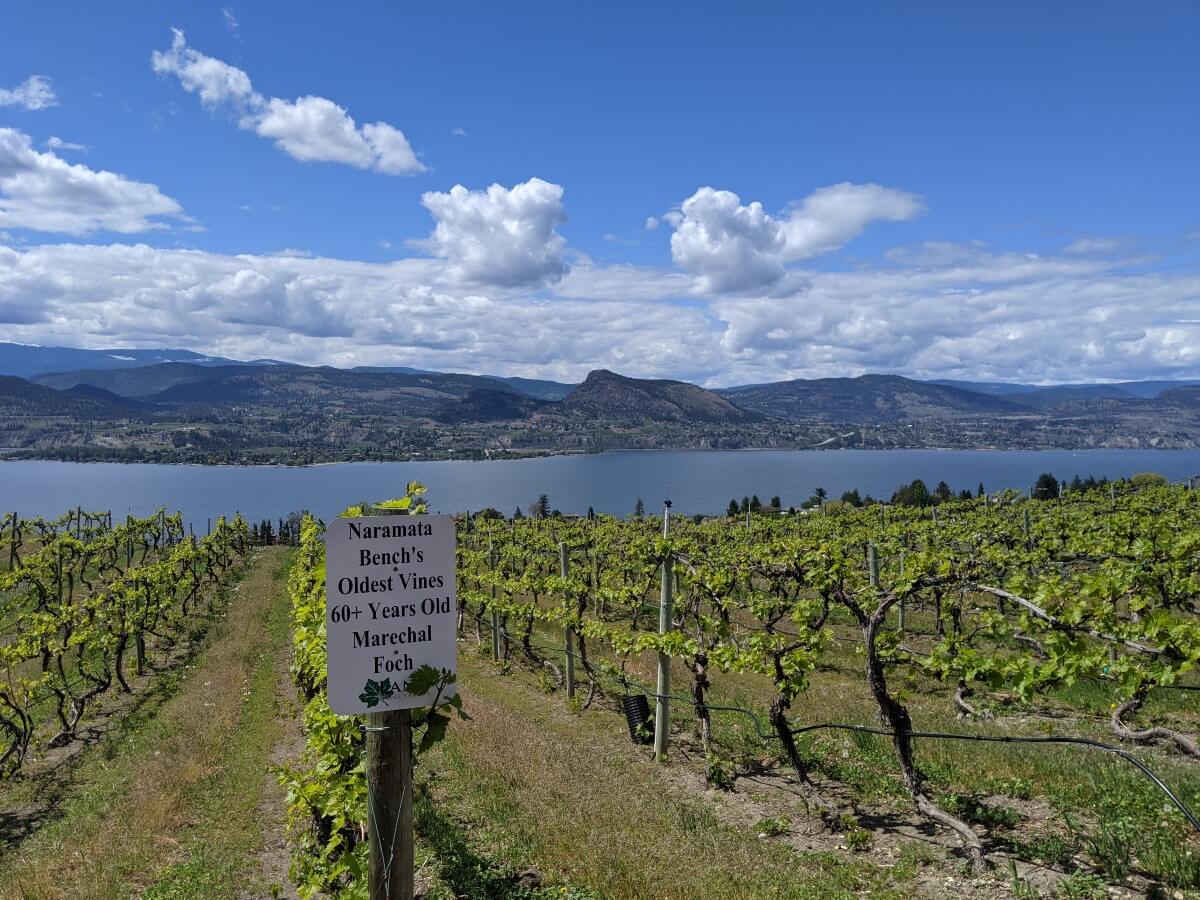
390,608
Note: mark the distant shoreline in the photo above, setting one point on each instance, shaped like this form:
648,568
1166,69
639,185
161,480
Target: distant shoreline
9,455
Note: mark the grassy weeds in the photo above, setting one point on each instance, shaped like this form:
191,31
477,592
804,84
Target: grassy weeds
167,808
534,785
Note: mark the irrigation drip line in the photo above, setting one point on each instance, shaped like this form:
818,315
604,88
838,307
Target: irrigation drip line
1017,739
625,681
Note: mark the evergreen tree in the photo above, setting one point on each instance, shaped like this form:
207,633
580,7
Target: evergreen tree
517,514
755,504
775,503
1046,487
981,493
745,504
852,498
639,508
942,493
913,494
733,509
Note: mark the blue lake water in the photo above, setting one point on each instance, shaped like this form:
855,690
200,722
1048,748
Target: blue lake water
697,481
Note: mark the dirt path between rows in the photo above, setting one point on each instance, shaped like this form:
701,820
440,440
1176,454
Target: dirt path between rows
269,871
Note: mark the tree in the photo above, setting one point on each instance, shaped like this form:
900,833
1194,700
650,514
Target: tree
965,495
981,493
1146,479
639,508
540,508
942,493
517,514
817,499
755,504
745,504
591,514
913,494
852,498
733,509
776,503
1046,487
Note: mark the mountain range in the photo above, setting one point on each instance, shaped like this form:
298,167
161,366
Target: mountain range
192,400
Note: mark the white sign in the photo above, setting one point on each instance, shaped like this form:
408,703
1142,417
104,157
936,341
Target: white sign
391,606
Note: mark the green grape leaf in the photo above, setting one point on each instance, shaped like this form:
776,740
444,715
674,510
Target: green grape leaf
422,681
435,730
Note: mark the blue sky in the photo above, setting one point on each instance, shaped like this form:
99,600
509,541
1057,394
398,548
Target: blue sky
994,190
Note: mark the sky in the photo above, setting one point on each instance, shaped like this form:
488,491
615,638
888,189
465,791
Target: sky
712,192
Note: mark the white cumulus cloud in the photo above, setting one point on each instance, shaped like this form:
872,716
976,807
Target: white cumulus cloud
728,245
36,92
215,81
310,129
831,216
963,312
501,236
731,246
42,192
56,143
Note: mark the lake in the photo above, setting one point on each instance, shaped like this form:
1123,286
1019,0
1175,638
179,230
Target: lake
697,481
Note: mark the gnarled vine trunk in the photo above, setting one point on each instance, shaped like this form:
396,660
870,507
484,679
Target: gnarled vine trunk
896,717
1186,743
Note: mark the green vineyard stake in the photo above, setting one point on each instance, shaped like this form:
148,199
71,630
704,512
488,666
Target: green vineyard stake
569,635
495,614
662,702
